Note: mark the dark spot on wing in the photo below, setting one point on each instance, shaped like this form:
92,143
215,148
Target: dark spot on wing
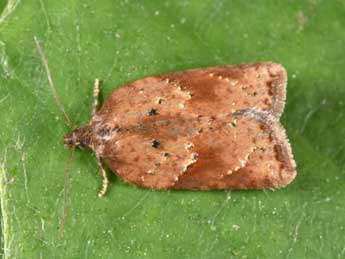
155,143
153,112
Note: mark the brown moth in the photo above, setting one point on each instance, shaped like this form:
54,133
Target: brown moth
198,129
210,128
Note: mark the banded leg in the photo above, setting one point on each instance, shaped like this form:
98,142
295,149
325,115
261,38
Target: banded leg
95,97
105,181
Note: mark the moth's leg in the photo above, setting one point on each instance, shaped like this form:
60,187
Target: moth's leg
95,97
105,181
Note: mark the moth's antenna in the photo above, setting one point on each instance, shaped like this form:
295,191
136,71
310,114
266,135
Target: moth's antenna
65,190
51,83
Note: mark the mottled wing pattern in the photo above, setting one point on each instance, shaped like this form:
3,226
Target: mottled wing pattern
197,92
214,128
267,163
226,89
156,157
143,101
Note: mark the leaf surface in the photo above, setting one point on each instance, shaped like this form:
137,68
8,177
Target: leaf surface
120,41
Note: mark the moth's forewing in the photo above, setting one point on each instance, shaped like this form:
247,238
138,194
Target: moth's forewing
267,164
206,139
194,92
225,89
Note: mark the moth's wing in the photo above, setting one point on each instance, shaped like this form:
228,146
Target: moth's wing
206,153
269,164
155,155
260,86
195,92
136,161
142,101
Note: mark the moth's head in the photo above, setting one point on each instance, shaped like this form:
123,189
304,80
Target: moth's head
79,137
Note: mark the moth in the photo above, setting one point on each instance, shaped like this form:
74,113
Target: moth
198,129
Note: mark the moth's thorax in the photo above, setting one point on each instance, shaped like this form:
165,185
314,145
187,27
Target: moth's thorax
79,137
103,131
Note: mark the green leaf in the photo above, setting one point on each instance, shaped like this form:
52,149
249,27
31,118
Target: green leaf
119,41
